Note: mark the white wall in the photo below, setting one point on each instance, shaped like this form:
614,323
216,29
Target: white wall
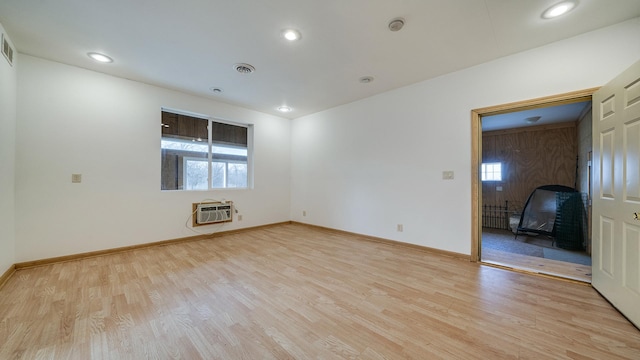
367,166
7,160
72,120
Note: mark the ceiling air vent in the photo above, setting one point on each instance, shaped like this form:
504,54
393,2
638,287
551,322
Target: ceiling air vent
244,68
7,50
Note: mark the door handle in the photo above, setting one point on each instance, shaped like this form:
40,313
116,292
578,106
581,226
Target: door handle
636,216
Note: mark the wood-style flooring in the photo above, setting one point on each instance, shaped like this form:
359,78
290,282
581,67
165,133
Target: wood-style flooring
296,292
538,265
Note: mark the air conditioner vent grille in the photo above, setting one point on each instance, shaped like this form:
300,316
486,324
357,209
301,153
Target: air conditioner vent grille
212,213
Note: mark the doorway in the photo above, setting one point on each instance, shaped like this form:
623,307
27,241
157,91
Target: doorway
529,253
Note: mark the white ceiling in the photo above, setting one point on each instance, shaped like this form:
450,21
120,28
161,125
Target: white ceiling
548,115
192,45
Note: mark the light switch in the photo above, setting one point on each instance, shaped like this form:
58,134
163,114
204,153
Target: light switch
76,178
447,175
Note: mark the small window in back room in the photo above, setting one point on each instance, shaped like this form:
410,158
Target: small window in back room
491,171
195,159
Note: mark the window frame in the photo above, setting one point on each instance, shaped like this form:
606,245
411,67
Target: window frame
484,172
185,177
211,158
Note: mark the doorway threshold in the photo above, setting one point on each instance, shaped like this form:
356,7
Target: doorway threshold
534,264
541,270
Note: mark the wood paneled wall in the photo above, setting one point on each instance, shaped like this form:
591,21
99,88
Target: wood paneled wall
530,157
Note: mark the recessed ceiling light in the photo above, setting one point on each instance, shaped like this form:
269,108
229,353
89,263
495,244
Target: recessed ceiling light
396,24
100,57
284,109
559,9
291,34
366,79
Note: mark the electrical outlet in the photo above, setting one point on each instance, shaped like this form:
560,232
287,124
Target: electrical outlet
239,217
447,175
304,212
76,178
400,228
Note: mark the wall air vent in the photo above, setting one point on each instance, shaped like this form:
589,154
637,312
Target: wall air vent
7,50
244,68
211,213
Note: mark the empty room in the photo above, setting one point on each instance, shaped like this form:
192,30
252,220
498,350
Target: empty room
304,179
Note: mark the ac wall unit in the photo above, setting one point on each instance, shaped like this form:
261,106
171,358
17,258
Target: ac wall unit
212,213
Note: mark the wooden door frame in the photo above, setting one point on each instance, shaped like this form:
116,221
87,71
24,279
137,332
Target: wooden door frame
476,149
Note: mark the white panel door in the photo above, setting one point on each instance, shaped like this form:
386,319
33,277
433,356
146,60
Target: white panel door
616,192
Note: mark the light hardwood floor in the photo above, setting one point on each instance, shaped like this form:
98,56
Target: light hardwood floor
294,292
538,265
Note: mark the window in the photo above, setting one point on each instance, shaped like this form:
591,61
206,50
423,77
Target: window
196,158
492,171
195,173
